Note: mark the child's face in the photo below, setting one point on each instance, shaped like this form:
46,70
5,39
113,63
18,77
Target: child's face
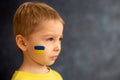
49,35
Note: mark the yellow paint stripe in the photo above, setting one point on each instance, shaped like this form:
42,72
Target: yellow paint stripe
39,51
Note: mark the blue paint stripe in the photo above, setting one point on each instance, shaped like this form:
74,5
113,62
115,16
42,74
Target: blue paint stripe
39,47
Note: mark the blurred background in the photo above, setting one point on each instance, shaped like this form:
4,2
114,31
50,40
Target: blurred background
91,44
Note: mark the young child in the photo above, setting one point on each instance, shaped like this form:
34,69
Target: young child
38,31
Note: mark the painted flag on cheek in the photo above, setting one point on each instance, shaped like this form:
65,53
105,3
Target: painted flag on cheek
39,49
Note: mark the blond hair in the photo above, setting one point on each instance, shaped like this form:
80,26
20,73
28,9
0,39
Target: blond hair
30,14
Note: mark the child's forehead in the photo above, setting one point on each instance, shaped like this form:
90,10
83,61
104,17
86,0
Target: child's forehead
49,24
46,29
50,27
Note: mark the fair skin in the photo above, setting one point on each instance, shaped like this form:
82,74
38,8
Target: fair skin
48,34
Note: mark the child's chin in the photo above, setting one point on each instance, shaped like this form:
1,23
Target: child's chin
51,63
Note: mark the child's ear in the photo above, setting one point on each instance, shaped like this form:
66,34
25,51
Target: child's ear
21,42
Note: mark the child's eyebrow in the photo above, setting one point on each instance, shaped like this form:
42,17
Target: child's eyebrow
54,35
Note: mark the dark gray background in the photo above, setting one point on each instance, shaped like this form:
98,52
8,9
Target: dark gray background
91,44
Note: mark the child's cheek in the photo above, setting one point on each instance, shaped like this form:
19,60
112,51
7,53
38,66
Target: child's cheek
39,49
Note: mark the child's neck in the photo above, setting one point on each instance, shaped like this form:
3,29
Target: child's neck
33,67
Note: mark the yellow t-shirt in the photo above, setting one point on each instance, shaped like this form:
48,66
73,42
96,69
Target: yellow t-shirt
51,75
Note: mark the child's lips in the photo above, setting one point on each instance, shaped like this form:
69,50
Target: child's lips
54,57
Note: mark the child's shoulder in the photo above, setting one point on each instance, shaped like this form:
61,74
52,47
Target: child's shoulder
56,74
21,75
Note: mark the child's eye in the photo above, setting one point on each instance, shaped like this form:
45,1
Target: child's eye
50,39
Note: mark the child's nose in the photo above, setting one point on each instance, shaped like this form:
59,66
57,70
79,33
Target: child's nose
57,47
